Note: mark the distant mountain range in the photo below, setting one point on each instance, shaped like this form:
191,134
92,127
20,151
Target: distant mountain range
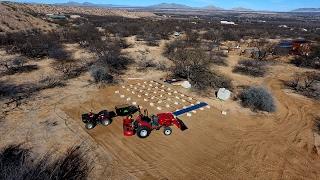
88,4
241,9
170,6
211,7
156,6
306,10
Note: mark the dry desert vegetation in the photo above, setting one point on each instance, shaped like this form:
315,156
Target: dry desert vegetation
53,68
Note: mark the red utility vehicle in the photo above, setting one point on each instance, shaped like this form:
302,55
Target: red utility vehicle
143,125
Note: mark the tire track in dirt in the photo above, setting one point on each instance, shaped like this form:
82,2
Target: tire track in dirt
237,146
284,140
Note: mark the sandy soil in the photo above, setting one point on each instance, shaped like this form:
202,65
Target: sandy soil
239,145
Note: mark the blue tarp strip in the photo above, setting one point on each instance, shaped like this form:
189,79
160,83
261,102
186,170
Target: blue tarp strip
190,108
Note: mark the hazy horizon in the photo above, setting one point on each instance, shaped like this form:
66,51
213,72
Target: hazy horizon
270,5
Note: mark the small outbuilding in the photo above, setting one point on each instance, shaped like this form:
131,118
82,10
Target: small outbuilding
57,16
176,34
75,16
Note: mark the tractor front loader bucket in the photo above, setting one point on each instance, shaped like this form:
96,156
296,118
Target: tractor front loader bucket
181,125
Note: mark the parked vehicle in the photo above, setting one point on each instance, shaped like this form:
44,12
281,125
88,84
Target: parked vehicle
104,117
143,124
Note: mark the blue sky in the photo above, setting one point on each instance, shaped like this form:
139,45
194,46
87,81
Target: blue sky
274,5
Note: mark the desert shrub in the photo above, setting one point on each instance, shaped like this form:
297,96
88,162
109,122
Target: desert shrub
202,78
70,68
116,63
192,37
33,44
231,35
86,32
124,44
125,27
218,58
145,63
161,66
257,98
212,35
16,94
16,162
7,89
185,59
48,82
58,54
316,127
311,61
152,42
194,64
10,90
253,68
307,84
101,75
19,62
173,47
150,39
13,95
17,65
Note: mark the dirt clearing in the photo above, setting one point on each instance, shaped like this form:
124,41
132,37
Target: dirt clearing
215,146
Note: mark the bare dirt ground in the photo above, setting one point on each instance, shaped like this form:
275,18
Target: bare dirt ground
236,146
239,145
55,9
20,17
12,19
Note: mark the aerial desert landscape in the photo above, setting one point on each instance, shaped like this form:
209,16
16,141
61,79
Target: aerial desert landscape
159,92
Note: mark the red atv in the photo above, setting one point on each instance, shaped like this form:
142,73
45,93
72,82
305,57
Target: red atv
105,117
143,125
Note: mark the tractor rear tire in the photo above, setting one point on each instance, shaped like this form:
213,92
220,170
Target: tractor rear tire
143,132
167,131
106,122
90,126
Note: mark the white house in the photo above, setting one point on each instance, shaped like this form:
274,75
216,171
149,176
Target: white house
75,16
283,26
228,22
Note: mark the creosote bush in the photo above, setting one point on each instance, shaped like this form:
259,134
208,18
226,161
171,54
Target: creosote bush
16,162
218,58
17,65
48,82
101,75
311,61
257,98
116,63
255,68
307,84
33,44
194,65
202,78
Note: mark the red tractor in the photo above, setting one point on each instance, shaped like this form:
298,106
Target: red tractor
143,125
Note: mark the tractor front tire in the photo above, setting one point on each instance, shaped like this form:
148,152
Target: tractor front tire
167,131
106,122
90,126
143,132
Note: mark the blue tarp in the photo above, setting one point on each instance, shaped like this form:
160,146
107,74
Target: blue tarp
285,44
190,108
